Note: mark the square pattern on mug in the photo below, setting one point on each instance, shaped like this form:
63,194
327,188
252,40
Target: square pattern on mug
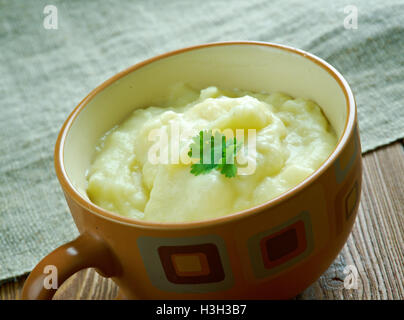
191,263
281,247
187,264
194,264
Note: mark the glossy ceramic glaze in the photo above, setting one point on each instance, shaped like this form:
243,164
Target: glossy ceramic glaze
272,251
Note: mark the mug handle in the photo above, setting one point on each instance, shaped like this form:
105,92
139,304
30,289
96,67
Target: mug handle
84,252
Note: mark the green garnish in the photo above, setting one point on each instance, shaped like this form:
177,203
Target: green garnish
214,152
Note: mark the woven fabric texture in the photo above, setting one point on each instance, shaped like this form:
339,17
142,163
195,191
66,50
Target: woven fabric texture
45,73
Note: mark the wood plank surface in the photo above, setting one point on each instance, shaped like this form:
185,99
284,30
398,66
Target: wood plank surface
375,248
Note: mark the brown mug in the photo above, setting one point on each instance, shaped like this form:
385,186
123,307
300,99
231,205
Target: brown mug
271,251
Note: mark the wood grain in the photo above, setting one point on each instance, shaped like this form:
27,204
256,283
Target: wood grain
375,247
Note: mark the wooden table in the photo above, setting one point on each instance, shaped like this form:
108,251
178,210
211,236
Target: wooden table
375,247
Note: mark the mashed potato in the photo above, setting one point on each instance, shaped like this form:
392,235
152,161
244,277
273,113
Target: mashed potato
293,138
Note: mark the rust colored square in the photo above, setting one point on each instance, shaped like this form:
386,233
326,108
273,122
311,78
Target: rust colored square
283,245
211,269
193,264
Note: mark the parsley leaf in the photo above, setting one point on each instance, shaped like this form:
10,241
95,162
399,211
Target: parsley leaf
229,170
200,168
214,152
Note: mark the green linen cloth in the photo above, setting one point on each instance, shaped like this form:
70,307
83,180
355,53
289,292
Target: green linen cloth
45,73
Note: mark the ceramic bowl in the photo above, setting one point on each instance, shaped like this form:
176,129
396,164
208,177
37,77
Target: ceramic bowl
271,251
